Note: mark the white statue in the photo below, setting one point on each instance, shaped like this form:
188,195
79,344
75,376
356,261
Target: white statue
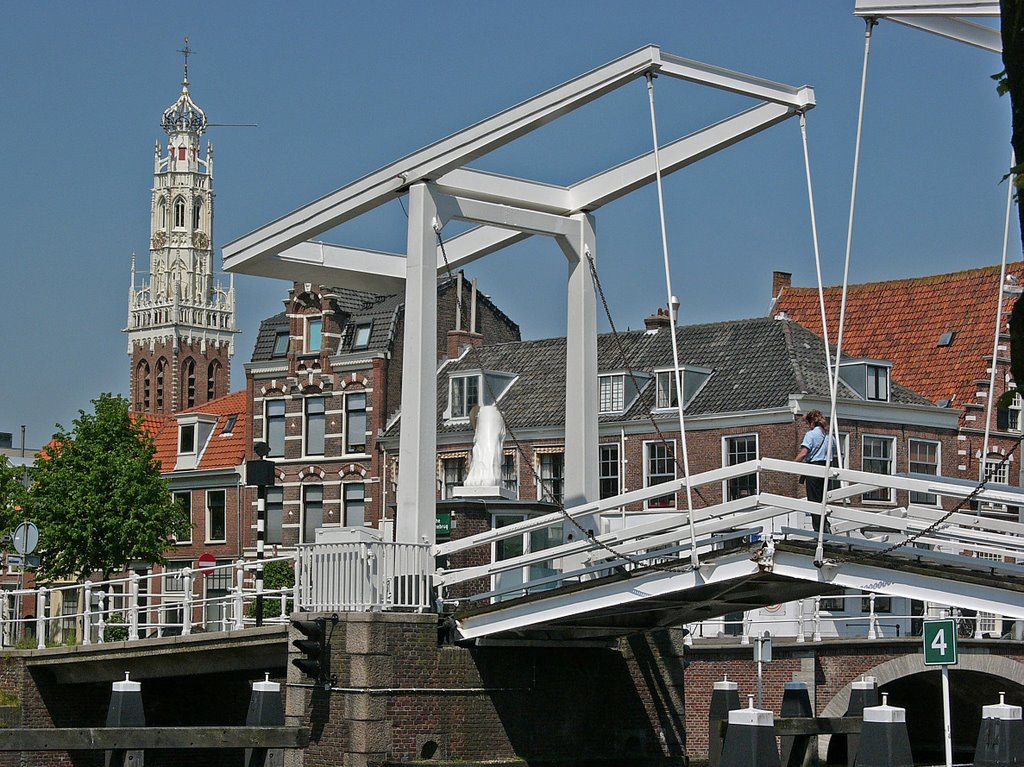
485,468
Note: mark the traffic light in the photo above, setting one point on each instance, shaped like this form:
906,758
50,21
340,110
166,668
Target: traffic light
314,647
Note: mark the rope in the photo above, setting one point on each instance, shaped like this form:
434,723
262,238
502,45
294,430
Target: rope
819,554
817,253
999,327
680,402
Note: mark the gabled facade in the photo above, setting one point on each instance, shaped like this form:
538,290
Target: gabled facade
323,383
938,333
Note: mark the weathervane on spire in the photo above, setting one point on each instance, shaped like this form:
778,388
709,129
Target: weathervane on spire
186,51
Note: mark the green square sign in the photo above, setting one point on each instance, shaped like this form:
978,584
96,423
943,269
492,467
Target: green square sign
940,643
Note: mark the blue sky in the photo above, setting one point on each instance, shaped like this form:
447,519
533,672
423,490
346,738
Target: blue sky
339,89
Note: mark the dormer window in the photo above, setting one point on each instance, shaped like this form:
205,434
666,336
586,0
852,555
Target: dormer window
467,390
280,345
868,378
694,379
464,395
187,438
611,393
361,339
314,334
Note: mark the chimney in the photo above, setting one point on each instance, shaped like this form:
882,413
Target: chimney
658,320
460,339
780,280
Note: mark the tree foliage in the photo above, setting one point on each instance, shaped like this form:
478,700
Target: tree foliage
12,494
98,497
1011,81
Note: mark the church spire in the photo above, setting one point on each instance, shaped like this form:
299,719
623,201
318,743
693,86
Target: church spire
180,321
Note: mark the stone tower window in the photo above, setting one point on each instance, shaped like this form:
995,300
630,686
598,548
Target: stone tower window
190,383
162,216
179,213
212,374
197,215
142,400
161,370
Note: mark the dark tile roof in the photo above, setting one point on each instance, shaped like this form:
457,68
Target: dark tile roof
902,320
757,364
383,312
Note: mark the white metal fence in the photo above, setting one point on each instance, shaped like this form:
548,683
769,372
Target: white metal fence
362,576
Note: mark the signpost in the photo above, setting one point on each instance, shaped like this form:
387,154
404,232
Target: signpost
940,650
762,654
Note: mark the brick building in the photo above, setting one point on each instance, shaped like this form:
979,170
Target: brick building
938,332
324,383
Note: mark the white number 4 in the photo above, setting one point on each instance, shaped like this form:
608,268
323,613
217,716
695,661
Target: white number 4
939,641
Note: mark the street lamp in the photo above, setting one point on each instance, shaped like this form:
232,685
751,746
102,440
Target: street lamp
260,472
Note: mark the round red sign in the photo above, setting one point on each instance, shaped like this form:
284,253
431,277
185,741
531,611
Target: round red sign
206,563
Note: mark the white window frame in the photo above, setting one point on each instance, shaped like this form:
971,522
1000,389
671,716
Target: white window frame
193,428
1013,414
305,426
465,407
284,425
446,488
209,525
542,487
514,455
180,213
938,469
647,472
345,486
306,323
670,377
618,468
892,467
360,327
620,395
726,439
346,436
868,383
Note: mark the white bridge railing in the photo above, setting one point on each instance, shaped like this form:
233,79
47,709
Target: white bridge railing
360,576
638,539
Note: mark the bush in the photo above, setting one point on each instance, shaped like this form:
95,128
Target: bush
276,575
116,629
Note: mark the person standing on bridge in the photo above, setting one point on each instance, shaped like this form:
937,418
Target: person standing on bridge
814,450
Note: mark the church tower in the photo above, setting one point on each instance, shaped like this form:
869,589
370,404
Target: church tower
181,323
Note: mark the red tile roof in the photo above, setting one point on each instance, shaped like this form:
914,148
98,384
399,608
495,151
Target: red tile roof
902,320
222,451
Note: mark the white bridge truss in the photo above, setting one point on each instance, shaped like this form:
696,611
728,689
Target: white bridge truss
755,552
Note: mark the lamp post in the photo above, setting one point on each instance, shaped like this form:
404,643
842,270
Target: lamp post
260,472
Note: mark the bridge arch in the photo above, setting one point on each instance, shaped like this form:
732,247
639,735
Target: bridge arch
976,681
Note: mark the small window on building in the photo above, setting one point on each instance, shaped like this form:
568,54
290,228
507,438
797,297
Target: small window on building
312,512
740,449
464,395
611,393
693,381
212,380
273,426
355,423
552,477
197,215
354,494
453,472
924,459
161,370
946,338
190,383
659,467
510,474
229,425
187,438
275,515
1008,418
315,408
215,516
314,334
877,457
179,213
997,472
877,383
608,470
361,338
280,344
184,499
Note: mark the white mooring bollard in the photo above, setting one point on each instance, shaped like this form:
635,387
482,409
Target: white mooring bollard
750,738
884,741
